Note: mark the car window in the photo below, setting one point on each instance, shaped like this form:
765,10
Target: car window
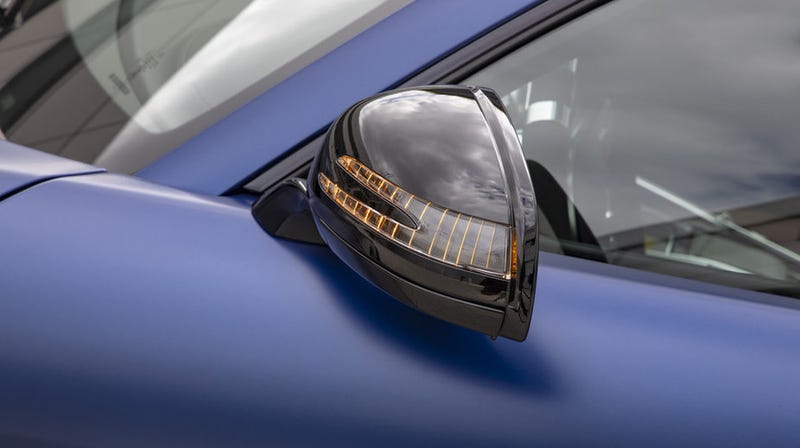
119,83
664,136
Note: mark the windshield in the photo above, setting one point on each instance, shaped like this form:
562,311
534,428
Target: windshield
119,83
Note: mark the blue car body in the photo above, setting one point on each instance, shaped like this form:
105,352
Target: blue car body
151,311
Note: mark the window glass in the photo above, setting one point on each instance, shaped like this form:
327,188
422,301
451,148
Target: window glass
664,136
119,83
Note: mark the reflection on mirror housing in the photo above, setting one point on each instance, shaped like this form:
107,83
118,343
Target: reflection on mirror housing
425,192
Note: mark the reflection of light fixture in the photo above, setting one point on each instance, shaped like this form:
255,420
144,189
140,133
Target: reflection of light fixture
442,234
548,110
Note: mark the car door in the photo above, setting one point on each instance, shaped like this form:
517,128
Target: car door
137,314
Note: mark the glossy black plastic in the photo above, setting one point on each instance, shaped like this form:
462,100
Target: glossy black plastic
283,212
454,154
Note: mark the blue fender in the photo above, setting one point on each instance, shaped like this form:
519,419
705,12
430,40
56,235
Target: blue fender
139,315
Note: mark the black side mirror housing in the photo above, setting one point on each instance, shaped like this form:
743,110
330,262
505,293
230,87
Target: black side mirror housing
425,192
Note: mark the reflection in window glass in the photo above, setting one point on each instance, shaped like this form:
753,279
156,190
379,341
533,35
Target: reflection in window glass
119,83
665,137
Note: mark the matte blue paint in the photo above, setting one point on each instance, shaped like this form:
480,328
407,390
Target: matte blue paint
228,152
21,166
137,315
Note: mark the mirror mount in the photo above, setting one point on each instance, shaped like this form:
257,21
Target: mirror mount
282,211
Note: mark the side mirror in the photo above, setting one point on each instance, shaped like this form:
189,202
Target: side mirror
425,192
